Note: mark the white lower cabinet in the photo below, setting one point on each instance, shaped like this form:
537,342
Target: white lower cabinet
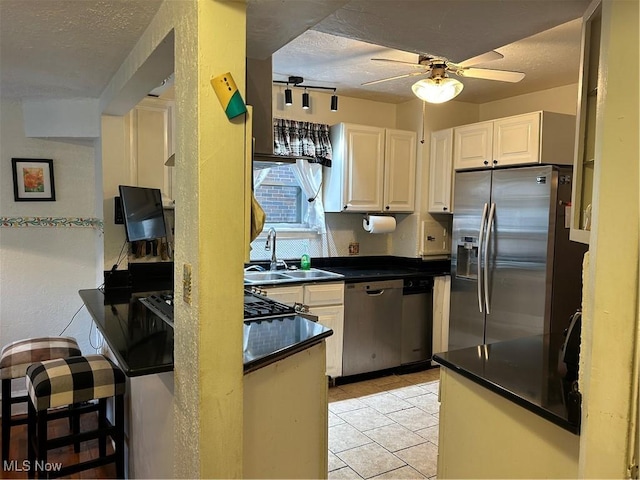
326,301
441,300
333,318
286,295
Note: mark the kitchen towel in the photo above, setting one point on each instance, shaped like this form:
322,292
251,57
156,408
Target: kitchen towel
379,224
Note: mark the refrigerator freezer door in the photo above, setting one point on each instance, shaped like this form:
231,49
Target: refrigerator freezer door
517,252
466,320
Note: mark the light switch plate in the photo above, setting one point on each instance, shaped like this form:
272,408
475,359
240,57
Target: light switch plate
186,283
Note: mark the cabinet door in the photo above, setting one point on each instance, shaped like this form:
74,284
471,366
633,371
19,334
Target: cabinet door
333,318
320,294
441,302
286,295
399,171
440,171
584,155
472,146
364,164
152,145
516,140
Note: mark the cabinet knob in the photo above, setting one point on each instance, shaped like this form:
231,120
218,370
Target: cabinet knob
387,207
345,207
495,162
486,162
444,208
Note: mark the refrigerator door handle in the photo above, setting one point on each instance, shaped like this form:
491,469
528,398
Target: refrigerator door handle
482,223
486,258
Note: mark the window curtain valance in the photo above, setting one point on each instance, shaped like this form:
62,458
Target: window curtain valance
302,138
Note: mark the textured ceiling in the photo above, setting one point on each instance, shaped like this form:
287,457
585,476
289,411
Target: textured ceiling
454,29
58,49
549,59
61,49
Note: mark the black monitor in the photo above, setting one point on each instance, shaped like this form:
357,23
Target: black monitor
142,212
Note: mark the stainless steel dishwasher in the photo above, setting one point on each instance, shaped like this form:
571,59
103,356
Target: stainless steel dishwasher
372,326
417,320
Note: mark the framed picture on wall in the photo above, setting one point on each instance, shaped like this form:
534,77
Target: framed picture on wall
33,180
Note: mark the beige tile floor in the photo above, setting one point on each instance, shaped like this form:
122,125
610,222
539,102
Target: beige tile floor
385,427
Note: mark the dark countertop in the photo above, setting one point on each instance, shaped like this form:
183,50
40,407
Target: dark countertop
363,269
523,370
272,339
140,340
143,343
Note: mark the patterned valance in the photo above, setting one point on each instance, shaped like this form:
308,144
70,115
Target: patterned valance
302,138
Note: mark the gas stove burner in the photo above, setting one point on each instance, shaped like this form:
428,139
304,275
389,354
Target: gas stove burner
258,306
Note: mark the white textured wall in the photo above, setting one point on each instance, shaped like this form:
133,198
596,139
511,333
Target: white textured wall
115,171
42,268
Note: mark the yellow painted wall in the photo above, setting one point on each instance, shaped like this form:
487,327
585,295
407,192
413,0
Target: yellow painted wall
560,100
611,295
484,435
209,40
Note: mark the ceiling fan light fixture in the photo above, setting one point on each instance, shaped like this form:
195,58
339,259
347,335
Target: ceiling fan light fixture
288,97
437,90
305,100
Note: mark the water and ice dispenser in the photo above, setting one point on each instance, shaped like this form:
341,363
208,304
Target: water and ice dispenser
467,258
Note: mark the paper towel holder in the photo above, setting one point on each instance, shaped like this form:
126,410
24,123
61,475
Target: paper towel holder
366,217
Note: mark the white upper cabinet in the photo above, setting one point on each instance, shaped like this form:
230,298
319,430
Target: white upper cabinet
152,144
373,170
538,137
441,172
399,171
473,146
585,158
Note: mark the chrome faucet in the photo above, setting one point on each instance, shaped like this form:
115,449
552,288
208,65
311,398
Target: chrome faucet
271,237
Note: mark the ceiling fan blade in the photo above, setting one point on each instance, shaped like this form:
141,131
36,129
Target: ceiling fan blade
412,64
396,77
488,74
489,56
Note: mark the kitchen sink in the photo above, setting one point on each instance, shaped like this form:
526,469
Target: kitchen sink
264,276
288,276
312,274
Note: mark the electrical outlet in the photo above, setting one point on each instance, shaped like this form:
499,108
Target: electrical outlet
186,283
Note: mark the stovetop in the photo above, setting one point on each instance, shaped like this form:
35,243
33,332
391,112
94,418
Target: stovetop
259,306
255,306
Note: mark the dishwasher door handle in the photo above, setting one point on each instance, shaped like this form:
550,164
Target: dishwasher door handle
375,293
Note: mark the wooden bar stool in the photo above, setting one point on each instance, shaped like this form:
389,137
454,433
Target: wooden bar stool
75,381
14,360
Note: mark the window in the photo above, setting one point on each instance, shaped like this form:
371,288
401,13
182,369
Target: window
281,197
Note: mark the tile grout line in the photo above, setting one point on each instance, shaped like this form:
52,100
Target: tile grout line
372,441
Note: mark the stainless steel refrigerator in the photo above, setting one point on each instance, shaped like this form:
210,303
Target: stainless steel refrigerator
514,271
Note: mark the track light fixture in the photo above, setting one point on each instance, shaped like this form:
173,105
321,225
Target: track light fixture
288,96
296,82
305,100
334,101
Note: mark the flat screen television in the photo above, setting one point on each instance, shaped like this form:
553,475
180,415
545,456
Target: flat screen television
142,213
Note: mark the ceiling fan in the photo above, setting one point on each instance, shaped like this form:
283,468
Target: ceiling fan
438,68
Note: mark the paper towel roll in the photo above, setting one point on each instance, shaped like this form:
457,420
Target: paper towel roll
379,224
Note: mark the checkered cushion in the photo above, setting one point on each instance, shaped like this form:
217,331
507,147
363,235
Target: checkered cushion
65,381
17,356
